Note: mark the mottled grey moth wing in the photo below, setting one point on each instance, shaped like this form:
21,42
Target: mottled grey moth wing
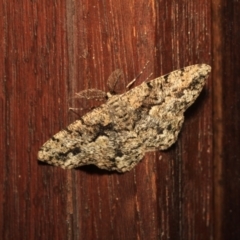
116,135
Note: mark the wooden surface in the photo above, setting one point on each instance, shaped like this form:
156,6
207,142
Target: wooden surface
227,121
53,49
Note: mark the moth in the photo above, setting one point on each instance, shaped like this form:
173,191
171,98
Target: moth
116,135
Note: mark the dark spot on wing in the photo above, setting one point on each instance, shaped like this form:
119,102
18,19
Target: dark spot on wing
159,130
62,156
119,153
149,85
179,94
166,78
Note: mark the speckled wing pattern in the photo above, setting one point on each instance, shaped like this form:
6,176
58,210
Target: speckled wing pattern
116,135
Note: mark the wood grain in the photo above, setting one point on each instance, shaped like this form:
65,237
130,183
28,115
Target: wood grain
53,49
230,158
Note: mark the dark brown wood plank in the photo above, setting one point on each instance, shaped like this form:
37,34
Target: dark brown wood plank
53,49
230,158
217,74
226,85
33,197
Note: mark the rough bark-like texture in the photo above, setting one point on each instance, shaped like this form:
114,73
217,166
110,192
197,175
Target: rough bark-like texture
116,135
53,49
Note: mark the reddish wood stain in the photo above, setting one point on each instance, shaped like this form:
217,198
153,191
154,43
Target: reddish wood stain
52,49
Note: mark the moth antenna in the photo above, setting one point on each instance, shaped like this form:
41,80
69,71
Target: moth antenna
131,83
148,77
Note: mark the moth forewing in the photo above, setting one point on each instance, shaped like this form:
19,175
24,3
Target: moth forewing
116,135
